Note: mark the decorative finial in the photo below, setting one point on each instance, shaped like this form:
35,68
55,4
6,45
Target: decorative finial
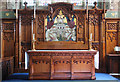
25,3
95,3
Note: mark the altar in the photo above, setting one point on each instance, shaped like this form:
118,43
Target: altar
61,64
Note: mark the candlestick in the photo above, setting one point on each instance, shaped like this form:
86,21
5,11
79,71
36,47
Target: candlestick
90,41
91,36
32,25
33,41
33,36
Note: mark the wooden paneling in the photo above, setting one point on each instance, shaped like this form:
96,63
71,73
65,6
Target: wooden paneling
94,26
84,28
16,45
111,36
17,38
113,63
112,40
25,32
65,64
81,18
40,21
6,66
8,38
105,32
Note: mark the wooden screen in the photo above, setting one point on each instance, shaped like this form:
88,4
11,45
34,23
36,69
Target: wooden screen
84,27
111,36
8,40
95,19
25,32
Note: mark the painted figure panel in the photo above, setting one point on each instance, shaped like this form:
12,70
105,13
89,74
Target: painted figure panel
60,28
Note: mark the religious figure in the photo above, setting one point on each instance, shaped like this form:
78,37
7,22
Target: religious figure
60,28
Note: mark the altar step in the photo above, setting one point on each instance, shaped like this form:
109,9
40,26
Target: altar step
24,77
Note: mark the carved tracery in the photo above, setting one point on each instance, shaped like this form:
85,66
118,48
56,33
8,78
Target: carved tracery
81,26
8,36
8,26
112,26
93,19
95,45
26,19
8,31
112,36
40,27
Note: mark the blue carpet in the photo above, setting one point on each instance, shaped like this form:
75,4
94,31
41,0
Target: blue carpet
23,77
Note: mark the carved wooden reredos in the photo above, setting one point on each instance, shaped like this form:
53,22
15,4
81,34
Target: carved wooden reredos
82,24
17,34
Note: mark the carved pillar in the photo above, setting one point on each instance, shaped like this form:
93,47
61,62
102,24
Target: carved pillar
87,23
102,41
52,68
72,71
93,69
32,32
25,38
16,44
16,37
2,42
20,42
102,44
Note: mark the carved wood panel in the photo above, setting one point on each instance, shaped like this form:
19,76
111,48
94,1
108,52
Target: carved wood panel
8,38
67,10
111,36
26,19
93,19
112,26
8,26
40,28
61,64
6,66
25,32
81,26
95,45
94,27
41,62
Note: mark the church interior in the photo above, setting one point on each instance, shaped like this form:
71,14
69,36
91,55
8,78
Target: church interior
59,40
